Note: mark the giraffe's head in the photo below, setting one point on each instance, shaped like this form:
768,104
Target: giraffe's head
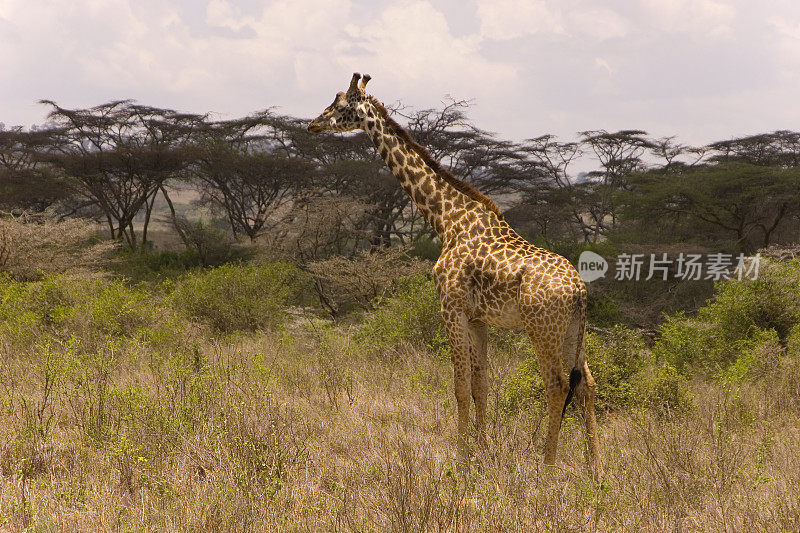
348,111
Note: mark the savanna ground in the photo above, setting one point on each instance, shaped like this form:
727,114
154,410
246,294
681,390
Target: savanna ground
220,399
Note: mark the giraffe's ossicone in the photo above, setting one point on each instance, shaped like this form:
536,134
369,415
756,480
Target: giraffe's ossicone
485,275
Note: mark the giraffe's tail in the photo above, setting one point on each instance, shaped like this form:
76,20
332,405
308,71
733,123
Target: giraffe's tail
573,349
574,380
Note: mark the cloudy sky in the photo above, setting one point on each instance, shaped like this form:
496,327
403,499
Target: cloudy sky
703,70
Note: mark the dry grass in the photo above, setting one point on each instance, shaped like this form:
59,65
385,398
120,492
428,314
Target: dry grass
31,249
306,432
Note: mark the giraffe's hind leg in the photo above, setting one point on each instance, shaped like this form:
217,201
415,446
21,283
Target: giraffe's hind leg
548,355
480,376
574,355
586,400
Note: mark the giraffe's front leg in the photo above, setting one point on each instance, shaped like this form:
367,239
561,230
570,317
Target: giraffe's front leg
461,347
480,376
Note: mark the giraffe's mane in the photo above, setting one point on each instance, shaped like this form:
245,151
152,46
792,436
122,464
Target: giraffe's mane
460,185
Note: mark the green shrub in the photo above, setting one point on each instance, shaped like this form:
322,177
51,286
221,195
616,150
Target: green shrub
793,342
756,360
523,388
602,311
426,248
39,303
614,358
240,296
744,316
88,310
743,307
146,265
685,343
110,308
412,315
30,311
660,387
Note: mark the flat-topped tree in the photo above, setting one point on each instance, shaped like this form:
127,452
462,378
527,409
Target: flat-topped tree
25,183
486,274
118,156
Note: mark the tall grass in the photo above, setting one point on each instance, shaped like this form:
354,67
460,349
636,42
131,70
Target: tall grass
122,407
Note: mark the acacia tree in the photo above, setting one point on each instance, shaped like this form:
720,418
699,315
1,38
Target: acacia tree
253,188
779,148
245,173
740,201
745,190
25,182
118,156
548,205
619,154
473,154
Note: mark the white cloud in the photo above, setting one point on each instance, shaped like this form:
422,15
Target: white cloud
711,17
600,23
221,13
533,67
601,63
786,48
285,53
786,29
411,44
510,19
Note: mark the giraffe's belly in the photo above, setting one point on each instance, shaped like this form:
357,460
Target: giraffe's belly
500,312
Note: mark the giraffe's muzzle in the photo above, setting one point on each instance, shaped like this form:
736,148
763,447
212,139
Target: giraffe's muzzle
316,126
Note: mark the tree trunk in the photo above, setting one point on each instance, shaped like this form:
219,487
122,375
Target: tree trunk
175,224
775,221
147,213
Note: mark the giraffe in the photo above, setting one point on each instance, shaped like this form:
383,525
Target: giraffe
486,275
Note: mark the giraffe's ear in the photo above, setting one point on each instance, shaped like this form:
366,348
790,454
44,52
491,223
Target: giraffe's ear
361,110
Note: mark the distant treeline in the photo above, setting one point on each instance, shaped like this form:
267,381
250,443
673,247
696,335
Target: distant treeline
267,177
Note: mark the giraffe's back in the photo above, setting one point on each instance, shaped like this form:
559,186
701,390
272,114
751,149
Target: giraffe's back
504,280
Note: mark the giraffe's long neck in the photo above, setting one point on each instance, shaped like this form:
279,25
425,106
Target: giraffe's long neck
441,203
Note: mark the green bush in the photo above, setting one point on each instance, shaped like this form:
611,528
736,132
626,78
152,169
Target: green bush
146,265
240,296
602,310
619,362
35,304
793,342
744,307
210,242
744,316
90,310
113,309
412,315
426,248
660,387
614,358
756,360
687,343
523,388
